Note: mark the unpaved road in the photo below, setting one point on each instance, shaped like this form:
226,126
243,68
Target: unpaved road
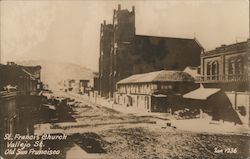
98,129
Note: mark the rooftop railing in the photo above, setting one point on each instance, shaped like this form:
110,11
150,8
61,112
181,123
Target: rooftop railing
223,78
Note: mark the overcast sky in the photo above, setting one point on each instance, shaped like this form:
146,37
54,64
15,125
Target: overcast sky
69,30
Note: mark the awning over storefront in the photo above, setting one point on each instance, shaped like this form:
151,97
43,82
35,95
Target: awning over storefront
201,93
215,101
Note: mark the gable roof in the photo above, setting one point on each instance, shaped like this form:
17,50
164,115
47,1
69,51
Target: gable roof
193,71
158,76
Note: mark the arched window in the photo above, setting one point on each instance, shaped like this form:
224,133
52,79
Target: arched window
238,67
235,67
215,70
208,70
231,67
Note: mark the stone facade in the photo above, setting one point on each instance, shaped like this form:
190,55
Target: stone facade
226,67
123,53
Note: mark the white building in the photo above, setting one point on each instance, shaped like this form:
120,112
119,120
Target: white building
150,91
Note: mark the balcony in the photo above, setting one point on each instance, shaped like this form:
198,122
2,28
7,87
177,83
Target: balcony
222,78
6,94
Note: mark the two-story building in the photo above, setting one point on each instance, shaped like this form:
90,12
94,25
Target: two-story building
150,91
79,86
26,79
19,99
227,68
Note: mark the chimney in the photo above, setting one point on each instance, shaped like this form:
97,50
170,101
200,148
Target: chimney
104,22
133,9
119,7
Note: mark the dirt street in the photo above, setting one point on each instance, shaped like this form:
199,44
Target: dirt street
112,134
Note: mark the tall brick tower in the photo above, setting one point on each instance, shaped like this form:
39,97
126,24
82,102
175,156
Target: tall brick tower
106,41
123,53
122,46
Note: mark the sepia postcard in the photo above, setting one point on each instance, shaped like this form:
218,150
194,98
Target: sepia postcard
124,79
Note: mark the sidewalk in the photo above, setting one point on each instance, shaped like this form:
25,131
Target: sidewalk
129,110
194,125
110,104
206,126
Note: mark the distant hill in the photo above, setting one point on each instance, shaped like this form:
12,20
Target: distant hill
54,72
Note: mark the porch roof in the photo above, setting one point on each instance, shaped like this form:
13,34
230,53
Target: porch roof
201,93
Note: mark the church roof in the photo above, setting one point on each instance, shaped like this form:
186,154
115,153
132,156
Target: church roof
171,42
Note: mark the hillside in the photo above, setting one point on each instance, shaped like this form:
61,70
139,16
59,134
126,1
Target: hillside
54,72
